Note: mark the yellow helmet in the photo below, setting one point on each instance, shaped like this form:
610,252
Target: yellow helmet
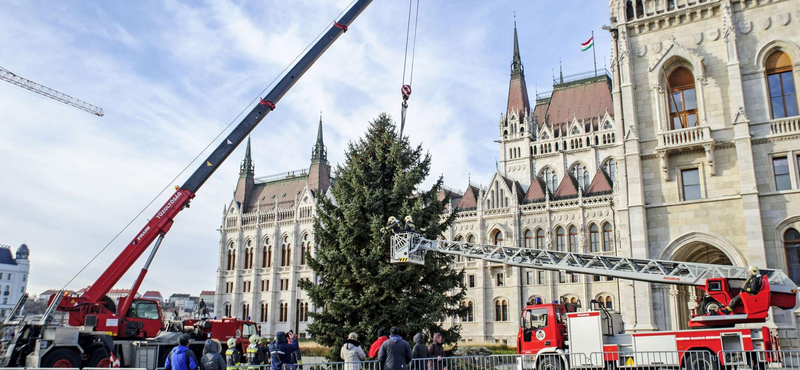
408,219
753,270
231,343
254,339
392,219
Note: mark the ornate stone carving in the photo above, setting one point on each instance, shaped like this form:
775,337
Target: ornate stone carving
709,148
697,38
662,156
741,116
703,80
713,35
658,88
745,27
783,18
764,23
656,46
641,50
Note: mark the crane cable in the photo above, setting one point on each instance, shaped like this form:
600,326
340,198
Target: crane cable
406,89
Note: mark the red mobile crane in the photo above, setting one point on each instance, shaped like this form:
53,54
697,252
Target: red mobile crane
93,317
561,337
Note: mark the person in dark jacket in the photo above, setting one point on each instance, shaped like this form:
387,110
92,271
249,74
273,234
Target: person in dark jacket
436,350
395,353
376,345
409,227
233,355
282,352
752,286
181,357
211,359
262,352
419,351
393,226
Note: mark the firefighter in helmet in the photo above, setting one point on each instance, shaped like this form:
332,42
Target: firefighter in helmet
410,228
252,352
393,227
233,356
752,286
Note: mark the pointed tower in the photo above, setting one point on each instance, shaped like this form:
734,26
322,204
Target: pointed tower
515,124
320,171
246,179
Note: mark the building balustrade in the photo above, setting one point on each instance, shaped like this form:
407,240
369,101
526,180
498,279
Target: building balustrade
786,126
683,139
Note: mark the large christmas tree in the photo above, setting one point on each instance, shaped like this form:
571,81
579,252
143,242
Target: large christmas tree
358,290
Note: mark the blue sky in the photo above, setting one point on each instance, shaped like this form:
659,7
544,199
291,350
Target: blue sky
171,74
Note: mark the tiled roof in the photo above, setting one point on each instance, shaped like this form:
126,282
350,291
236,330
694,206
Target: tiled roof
568,187
518,96
600,184
152,293
207,292
119,291
285,191
536,191
585,99
470,199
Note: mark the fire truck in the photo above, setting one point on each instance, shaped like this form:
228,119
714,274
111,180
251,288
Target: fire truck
561,336
98,332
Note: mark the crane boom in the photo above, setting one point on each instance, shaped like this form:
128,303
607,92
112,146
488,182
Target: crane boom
92,300
411,249
9,76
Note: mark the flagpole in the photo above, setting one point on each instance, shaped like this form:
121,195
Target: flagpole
594,54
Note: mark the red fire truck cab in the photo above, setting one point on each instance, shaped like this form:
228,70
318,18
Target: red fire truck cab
596,339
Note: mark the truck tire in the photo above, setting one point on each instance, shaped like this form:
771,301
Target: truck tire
703,360
99,358
550,362
62,357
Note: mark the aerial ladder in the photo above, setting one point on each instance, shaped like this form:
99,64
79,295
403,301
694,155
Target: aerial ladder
25,83
778,290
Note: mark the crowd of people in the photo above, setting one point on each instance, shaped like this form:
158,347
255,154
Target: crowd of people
283,353
393,352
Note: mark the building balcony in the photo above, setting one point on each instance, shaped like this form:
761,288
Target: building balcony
784,126
685,139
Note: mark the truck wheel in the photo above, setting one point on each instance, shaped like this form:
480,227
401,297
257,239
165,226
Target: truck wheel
99,358
703,360
550,363
62,357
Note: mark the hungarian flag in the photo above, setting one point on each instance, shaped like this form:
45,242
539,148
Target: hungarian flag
588,44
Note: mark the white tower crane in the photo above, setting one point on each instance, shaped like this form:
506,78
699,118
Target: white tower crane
9,76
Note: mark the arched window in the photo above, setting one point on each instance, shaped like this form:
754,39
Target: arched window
594,238
231,257
303,314
266,256
608,238
550,179
228,310
286,252
528,239
540,239
610,168
573,239
609,302
581,174
305,247
468,316
497,237
471,239
682,99
264,311
501,310
606,301
245,311
560,242
791,244
782,92
248,255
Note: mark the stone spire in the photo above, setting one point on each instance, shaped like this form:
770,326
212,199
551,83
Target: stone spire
247,169
246,183
517,90
320,153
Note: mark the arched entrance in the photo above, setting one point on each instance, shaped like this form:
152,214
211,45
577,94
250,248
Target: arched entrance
681,295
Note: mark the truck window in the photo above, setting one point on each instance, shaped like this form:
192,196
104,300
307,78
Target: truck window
248,330
538,318
144,310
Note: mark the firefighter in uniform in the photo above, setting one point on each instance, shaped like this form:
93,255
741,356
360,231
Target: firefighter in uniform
752,286
410,228
393,227
233,356
252,352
